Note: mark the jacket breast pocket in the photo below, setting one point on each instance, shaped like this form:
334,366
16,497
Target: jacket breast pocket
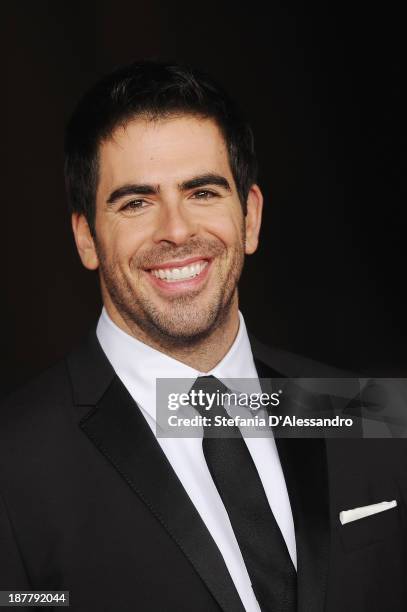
371,529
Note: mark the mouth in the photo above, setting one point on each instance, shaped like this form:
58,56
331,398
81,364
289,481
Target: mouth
179,276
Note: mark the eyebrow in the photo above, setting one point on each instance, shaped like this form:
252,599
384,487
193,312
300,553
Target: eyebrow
201,180
205,179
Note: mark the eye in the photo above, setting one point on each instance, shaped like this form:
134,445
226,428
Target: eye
133,205
204,194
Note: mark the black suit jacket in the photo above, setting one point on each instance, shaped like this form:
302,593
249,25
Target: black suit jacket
90,504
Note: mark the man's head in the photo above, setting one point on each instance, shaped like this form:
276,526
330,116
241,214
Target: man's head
160,174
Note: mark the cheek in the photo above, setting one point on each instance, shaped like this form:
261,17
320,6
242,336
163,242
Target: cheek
227,229
121,248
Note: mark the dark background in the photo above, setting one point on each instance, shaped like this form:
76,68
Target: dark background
323,86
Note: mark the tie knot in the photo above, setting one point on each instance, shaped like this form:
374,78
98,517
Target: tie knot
207,396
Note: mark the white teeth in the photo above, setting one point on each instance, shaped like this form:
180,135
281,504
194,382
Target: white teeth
176,274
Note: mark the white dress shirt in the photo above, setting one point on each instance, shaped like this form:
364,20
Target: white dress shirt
137,365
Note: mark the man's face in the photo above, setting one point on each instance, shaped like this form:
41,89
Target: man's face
170,230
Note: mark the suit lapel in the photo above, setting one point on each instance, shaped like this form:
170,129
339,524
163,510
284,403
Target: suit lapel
110,418
118,429
304,463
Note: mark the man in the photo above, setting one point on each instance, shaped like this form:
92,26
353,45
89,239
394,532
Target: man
161,177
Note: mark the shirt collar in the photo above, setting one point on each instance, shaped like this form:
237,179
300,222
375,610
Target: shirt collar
137,364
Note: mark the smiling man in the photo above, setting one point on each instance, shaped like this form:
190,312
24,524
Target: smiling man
170,235
161,179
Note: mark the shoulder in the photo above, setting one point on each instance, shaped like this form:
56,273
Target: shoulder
35,423
84,371
48,385
39,431
53,399
35,402
293,365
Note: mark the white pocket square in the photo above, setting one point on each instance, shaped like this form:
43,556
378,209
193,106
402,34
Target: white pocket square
346,516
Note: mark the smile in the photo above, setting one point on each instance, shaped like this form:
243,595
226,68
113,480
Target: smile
177,277
172,275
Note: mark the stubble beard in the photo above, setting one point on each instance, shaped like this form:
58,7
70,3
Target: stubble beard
184,322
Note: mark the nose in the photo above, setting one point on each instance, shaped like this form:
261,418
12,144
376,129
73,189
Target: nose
174,225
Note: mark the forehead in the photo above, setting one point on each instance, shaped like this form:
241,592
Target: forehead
162,151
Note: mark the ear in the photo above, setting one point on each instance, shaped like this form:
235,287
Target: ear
84,241
253,219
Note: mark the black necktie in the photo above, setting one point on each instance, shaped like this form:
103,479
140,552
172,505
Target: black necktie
234,473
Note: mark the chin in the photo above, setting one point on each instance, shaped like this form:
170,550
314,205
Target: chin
188,330
185,332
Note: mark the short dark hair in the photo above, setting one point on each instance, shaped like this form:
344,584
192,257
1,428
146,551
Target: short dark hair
152,90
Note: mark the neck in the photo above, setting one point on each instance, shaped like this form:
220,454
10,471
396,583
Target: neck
202,355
